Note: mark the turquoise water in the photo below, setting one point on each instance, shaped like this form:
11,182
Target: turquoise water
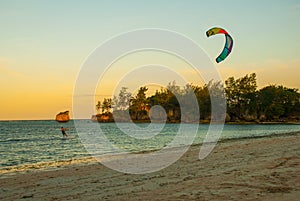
30,142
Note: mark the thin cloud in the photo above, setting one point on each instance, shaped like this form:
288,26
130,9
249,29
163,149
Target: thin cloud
91,95
274,71
7,71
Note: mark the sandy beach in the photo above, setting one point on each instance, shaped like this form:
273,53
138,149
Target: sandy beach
265,168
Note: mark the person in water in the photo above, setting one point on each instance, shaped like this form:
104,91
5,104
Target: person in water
63,130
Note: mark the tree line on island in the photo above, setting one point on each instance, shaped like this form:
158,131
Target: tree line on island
245,103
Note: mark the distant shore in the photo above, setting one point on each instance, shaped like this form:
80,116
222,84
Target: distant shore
108,118
265,168
208,122
148,121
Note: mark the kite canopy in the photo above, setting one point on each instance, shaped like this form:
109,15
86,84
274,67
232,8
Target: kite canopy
228,44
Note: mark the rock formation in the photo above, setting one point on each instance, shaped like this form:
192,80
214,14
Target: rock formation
63,117
105,117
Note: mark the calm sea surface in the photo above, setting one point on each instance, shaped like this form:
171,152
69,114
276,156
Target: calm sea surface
30,142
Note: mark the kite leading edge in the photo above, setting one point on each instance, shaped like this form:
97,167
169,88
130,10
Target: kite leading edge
228,43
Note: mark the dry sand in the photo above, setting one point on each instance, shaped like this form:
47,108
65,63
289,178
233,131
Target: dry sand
247,169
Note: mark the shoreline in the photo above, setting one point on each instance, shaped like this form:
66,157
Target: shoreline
45,166
87,160
265,168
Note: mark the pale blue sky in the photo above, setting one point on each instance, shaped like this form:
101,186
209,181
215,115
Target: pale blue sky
43,43
74,27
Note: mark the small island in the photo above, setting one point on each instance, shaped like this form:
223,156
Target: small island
63,117
244,102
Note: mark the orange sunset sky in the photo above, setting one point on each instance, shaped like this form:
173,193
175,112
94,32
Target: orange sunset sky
44,43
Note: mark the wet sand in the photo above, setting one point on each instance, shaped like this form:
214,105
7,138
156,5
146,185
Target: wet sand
250,169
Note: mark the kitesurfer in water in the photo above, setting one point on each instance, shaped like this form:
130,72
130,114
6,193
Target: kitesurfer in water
63,130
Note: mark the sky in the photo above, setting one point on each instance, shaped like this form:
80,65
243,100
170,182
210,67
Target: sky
43,44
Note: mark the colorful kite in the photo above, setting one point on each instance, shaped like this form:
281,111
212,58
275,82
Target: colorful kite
228,44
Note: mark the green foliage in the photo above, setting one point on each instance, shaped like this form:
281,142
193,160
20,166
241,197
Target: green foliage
166,98
241,95
278,101
98,106
244,101
203,98
273,102
106,105
123,100
139,105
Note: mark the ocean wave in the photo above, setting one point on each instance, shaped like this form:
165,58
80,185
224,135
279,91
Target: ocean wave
46,165
15,140
11,140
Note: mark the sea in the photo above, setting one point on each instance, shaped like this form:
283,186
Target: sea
26,143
